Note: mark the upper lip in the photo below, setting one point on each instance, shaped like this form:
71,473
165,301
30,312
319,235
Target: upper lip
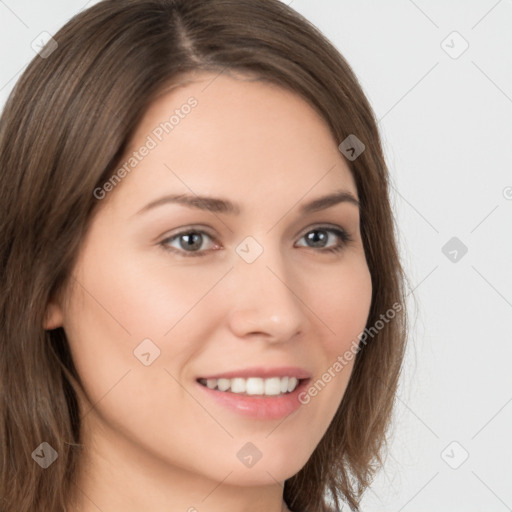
263,371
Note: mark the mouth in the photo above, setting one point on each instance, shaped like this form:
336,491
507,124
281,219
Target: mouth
264,397
254,386
261,392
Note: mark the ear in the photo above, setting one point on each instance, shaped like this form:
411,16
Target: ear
53,317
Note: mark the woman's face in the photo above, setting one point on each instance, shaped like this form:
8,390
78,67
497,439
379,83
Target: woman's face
166,293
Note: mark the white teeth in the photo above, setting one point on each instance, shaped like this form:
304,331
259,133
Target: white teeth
223,384
272,386
254,386
238,385
292,383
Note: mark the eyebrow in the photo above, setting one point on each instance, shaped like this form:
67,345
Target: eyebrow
218,205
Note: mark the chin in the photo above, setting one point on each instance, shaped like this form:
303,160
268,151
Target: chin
265,475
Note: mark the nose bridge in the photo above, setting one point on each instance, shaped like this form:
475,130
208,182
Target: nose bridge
265,301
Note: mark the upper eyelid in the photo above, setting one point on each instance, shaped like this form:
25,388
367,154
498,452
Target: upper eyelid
204,230
190,229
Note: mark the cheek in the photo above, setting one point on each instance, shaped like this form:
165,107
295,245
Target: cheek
344,304
121,303
343,309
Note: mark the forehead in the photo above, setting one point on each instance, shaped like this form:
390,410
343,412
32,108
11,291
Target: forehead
234,135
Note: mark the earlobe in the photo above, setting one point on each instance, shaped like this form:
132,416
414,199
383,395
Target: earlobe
53,318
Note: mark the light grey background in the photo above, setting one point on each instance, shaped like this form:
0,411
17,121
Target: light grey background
446,124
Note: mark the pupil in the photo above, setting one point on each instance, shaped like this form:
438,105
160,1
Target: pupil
313,237
193,240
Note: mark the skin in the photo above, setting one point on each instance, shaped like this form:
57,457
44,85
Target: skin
153,440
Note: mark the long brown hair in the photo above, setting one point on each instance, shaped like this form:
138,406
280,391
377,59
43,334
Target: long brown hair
65,125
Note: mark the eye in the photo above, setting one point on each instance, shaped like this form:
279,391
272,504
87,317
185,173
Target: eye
190,242
319,237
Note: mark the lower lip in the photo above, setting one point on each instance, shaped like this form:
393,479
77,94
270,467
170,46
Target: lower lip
258,407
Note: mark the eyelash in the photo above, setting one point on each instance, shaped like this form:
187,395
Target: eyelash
342,235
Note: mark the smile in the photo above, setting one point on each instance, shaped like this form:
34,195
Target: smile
251,386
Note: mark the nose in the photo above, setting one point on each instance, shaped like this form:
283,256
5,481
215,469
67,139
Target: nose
265,300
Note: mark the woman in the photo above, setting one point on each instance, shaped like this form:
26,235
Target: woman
203,302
